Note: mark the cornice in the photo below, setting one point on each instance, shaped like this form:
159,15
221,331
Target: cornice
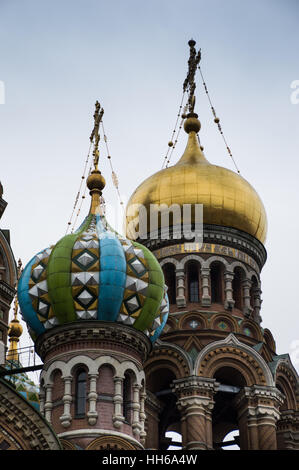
102,333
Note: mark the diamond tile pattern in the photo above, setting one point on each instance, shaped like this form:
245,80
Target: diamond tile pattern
85,259
85,298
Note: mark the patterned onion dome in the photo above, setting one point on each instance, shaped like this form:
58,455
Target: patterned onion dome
94,274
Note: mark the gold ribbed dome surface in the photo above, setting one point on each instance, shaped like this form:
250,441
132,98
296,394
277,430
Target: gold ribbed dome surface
228,199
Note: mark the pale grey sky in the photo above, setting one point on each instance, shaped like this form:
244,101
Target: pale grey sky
58,57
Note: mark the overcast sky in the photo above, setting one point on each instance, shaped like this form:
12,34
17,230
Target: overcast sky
58,57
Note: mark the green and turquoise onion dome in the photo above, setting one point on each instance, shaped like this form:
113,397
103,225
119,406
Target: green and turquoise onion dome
94,274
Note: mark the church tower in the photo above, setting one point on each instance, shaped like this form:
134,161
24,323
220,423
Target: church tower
95,303
215,368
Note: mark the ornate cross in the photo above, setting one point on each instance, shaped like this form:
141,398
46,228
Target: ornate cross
189,83
98,114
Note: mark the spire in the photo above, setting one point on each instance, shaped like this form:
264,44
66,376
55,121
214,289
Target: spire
96,182
15,327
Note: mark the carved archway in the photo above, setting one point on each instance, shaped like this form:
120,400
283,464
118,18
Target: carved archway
232,353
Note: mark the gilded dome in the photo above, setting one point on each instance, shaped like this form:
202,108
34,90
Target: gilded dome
228,199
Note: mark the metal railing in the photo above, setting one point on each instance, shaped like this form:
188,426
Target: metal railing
28,361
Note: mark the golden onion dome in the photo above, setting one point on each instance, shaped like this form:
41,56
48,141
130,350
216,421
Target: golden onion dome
228,199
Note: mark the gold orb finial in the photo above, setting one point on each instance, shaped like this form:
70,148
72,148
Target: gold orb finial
96,181
192,124
15,329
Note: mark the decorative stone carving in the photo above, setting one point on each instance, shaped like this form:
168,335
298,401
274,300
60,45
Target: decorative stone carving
180,279
66,418
205,282
118,417
228,289
92,398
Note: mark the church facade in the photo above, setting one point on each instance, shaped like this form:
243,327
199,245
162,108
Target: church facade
144,334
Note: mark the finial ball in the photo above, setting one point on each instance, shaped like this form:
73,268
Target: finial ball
15,329
192,124
96,181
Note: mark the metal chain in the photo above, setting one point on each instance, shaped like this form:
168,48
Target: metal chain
79,191
113,174
217,121
171,143
177,136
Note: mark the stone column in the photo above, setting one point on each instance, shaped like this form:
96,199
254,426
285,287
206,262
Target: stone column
66,418
153,410
118,417
258,411
180,288
142,416
195,402
205,283
288,430
92,413
247,309
48,402
257,302
228,289
42,401
136,410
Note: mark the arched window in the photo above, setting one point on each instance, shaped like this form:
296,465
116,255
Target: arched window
237,288
127,397
216,275
80,398
170,281
193,281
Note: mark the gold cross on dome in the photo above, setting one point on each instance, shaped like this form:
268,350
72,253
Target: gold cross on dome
189,83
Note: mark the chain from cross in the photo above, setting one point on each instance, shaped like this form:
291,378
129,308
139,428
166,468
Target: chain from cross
189,83
98,115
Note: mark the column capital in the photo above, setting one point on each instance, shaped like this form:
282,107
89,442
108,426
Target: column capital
67,378
246,283
180,272
259,401
229,275
118,379
205,271
93,376
136,386
195,385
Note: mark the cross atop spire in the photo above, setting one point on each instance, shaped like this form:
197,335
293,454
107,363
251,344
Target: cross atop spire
189,83
98,114
95,181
